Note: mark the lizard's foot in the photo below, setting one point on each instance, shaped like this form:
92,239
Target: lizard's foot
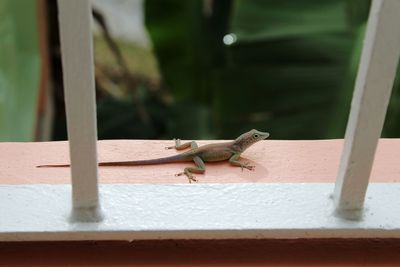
191,177
247,166
172,147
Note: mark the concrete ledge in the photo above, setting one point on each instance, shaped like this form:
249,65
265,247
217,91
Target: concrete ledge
287,196
276,161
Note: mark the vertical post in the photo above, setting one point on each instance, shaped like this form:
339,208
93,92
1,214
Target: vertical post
78,75
373,87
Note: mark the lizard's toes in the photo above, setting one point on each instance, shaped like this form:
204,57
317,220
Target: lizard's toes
192,179
251,167
179,174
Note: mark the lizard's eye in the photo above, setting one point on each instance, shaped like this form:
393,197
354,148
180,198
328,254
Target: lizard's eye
255,135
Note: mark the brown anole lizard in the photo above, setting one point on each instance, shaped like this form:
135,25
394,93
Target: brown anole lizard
208,153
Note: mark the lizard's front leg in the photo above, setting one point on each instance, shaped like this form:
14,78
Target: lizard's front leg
235,162
188,171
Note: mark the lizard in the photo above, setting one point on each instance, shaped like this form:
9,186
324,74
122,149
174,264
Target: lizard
230,150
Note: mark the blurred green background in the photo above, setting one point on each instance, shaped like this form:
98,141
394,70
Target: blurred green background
217,69
19,70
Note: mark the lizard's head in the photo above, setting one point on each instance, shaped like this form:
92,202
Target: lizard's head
249,138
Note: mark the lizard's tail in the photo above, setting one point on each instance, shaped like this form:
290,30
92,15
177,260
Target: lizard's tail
171,159
55,165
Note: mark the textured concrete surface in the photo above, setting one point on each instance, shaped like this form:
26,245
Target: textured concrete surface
276,161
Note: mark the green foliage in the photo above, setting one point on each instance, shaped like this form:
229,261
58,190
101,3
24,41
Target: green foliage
119,119
290,71
138,59
290,68
188,47
177,33
254,21
19,70
392,122
295,56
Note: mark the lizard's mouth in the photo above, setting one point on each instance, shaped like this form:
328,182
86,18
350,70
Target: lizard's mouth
263,135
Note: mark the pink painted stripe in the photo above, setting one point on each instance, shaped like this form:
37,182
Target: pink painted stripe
275,161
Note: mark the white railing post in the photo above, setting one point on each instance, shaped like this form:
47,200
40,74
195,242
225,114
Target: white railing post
373,87
78,75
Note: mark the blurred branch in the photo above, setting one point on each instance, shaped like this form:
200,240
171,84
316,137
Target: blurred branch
122,82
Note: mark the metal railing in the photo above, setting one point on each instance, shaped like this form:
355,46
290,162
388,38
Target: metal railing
375,79
80,104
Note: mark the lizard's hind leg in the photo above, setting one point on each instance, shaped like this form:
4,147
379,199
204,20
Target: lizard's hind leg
179,146
188,171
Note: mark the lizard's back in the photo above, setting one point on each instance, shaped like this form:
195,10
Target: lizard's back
212,152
